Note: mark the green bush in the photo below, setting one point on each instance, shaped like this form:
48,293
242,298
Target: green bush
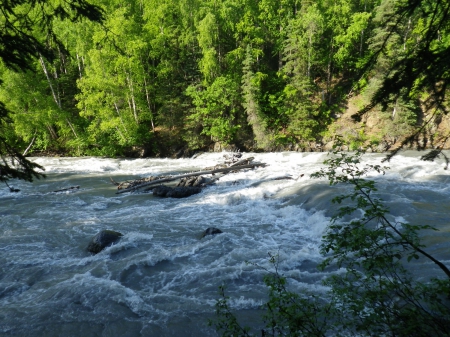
376,295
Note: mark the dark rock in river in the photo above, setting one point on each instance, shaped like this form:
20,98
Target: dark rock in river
211,231
102,240
161,191
183,192
175,192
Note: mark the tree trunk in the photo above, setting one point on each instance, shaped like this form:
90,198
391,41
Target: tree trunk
159,181
44,68
148,103
30,145
133,103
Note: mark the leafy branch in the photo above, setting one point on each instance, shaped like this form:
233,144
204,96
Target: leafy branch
375,229
372,293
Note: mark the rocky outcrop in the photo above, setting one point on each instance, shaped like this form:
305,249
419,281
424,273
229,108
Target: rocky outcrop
211,231
103,239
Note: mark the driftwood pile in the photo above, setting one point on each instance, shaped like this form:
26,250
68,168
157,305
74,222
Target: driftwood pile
130,184
189,183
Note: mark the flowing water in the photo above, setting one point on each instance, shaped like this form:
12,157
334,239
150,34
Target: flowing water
161,278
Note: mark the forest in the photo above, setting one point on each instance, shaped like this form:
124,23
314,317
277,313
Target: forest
153,78
165,78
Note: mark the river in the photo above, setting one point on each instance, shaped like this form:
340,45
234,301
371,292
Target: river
161,278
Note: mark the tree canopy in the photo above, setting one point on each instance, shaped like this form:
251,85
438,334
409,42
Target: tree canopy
28,33
256,74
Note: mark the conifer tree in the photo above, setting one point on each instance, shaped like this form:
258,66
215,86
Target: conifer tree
22,25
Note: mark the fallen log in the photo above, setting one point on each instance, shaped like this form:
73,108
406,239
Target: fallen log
12,189
245,161
115,183
232,163
197,181
71,188
220,170
128,184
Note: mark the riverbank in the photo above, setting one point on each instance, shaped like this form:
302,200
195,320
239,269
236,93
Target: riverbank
378,132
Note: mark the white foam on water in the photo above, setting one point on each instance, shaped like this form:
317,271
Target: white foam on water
81,165
244,303
161,270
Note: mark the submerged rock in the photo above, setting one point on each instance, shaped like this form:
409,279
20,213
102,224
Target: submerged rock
102,240
175,192
211,231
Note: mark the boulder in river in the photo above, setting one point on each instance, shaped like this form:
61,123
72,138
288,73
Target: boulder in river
211,231
175,192
161,190
102,240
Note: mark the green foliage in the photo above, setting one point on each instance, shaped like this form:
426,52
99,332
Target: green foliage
284,69
226,322
357,139
292,314
251,88
13,165
21,21
377,286
215,109
28,33
376,295
302,62
411,43
207,40
286,313
114,95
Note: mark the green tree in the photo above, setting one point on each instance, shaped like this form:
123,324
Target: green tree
19,46
302,65
251,89
42,99
173,58
215,109
115,88
26,94
412,43
400,116
208,40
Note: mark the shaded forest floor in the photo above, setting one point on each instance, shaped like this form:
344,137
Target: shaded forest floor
380,132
